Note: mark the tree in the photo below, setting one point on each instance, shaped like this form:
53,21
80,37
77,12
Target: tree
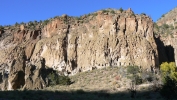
104,11
163,15
1,27
165,26
121,10
169,76
132,69
45,22
16,24
168,69
55,79
112,12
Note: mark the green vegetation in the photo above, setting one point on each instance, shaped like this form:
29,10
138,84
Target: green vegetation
171,27
132,15
78,18
134,74
143,14
121,10
168,69
132,69
169,77
156,26
56,17
163,15
16,24
55,79
112,12
22,23
165,26
105,11
1,27
95,14
45,22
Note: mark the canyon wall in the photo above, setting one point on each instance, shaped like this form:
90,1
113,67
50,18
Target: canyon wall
71,45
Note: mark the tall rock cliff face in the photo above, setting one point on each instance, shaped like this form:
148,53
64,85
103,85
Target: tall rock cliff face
71,45
166,28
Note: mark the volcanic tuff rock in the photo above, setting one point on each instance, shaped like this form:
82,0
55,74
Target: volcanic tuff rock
167,35
70,45
168,18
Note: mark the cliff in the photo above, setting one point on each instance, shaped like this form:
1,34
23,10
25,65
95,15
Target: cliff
71,45
166,31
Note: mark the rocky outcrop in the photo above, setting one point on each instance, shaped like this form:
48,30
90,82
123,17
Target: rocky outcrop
166,29
167,49
71,45
169,18
99,41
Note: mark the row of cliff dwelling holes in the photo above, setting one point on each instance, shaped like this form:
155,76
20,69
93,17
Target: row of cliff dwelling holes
115,64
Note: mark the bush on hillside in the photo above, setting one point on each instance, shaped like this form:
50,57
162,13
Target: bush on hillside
112,12
132,69
121,10
165,26
138,80
168,69
169,76
1,27
55,79
134,74
105,11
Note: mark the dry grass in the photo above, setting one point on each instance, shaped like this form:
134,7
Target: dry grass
100,84
108,79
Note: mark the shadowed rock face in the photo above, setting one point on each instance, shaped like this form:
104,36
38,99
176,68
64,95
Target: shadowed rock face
72,45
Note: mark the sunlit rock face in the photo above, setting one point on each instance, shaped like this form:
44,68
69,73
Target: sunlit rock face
106,39
71,45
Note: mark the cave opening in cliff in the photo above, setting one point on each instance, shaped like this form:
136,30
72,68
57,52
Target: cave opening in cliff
165,52
169,50
20,80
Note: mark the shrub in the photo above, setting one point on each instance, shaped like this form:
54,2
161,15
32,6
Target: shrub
121,10
56,17
169,76
16,24
171,27
55,79
1,27
138,80
156,26
143,14
169,89
132,69
135,77
112,12
78,18
132,15
22,23
95,14
45,22
165,26
64,80
168,69
163,15
104,11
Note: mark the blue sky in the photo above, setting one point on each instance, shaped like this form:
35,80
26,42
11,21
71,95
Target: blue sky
12,11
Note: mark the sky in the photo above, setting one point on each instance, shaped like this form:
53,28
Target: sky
12,11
